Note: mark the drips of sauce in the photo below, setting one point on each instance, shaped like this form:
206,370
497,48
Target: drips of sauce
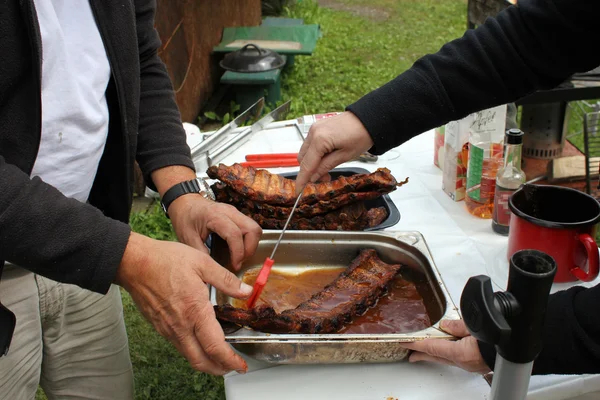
401,310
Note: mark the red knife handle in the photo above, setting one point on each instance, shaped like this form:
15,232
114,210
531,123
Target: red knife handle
263,275
273,156
261,281
280,162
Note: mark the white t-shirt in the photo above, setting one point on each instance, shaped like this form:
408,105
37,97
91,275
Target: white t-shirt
75,74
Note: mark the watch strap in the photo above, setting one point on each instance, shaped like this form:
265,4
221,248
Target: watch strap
198,186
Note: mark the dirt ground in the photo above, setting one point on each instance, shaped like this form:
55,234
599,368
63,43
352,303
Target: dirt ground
376,14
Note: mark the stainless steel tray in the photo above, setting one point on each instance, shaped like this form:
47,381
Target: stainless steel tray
334,249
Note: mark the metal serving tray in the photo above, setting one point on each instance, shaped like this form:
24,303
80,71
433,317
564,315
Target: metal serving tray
300,250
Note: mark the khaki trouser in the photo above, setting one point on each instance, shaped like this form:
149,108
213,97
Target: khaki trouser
69,340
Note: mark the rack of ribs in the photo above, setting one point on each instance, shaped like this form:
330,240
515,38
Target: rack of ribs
352,217
267,198
227,195
351,294
261,185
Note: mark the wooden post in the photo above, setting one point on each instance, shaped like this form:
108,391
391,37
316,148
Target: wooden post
189,29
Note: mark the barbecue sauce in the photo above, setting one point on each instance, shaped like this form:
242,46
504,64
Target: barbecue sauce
401,310
284,291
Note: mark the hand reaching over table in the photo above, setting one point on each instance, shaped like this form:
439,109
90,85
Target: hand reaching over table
463,353
329,143
167,281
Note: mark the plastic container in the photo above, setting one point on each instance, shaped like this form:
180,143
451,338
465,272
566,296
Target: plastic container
486,142
306,121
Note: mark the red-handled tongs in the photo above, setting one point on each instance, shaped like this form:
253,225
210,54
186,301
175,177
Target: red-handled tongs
263,275
272,163
271,160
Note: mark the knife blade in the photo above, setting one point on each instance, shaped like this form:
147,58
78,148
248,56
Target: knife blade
214,139
238,140
265,270
286,225
276,115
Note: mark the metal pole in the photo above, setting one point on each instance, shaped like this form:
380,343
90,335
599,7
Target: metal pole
512,320
511,380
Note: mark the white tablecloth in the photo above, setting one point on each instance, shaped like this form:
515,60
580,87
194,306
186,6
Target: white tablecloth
462,246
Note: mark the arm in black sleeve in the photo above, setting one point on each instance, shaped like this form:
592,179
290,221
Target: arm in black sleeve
57,237
571,341
161,139
535,45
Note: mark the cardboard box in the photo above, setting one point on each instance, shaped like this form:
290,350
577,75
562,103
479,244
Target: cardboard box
485,126
456,157
438,147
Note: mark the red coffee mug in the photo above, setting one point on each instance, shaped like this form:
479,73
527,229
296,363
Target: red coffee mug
562,223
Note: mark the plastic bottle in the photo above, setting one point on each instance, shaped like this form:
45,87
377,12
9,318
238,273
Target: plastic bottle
306,121
509,178
486,137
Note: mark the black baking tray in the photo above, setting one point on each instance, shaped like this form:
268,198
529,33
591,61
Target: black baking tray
382,201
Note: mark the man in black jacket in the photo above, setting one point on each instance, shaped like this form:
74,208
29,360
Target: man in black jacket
83,94
535,45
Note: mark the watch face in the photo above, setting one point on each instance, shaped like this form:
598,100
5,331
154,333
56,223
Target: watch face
206,191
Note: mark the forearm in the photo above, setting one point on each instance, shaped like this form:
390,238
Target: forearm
133,262
166,177
534,46
49,234
571,338
134,257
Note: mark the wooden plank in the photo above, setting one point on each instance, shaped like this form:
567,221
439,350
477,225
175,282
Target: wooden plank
267,44
571,168
534,167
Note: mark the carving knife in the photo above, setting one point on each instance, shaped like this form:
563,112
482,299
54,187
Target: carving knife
217,137
241,138
263,275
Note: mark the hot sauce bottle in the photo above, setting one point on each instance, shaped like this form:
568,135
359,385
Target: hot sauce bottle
508,179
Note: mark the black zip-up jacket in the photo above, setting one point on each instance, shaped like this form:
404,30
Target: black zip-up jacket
40,229
536,45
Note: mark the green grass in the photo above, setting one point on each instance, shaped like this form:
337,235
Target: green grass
575,124
357,53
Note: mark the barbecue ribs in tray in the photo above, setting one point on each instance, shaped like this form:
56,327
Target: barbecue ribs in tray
345,203
356,289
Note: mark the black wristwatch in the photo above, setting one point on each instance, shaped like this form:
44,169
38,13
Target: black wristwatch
197,185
